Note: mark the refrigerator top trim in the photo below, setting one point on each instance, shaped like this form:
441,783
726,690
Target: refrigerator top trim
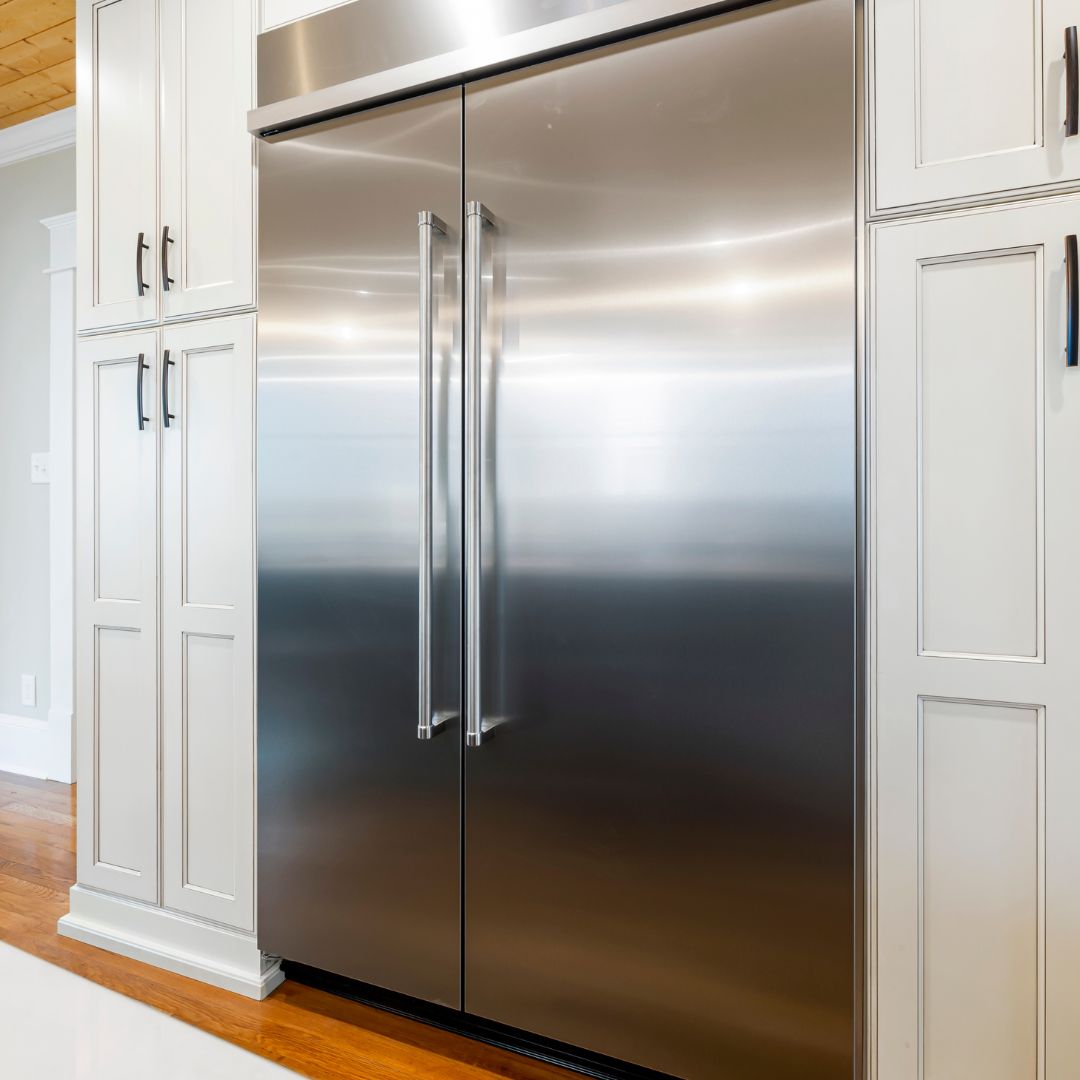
483,58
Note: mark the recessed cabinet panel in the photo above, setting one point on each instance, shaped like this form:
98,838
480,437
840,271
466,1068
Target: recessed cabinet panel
116,614
981,897
207,155
969,99
117,162
207,654
213,555
979,417
210,781
119,443
980,76
125,738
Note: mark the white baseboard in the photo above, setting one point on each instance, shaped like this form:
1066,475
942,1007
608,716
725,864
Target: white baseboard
211,954
38,748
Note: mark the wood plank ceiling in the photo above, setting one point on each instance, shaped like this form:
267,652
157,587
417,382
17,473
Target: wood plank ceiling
37,58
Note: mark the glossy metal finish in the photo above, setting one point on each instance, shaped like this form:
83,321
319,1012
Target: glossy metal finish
660,841
429,228
477,217
359,821
370,51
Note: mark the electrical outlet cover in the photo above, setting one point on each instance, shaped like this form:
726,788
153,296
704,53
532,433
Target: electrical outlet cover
29,690
39,468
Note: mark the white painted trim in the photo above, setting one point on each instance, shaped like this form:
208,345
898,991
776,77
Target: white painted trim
53,131
59,762
24,745
203,951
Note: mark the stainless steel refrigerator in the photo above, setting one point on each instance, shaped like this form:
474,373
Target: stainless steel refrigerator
557,491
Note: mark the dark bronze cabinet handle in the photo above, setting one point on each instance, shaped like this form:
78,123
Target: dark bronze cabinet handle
1072,83
166,240
140,247
1072,300
143,366
166,416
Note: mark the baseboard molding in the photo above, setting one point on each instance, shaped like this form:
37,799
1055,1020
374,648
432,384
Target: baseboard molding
38,748
199,950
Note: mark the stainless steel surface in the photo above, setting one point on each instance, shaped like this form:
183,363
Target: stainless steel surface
359,822
660,843
477,217
370,51
429,226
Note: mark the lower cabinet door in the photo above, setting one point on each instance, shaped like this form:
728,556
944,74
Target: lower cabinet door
116,613
976,738
207,648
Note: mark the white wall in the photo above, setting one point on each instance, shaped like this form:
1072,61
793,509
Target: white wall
30,190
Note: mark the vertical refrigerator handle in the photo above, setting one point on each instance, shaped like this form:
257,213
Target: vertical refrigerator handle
429,225
476,217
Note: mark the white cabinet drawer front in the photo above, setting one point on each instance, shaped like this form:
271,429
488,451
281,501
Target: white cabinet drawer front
207,621
207,175
976,709
117,162
116,613
969,98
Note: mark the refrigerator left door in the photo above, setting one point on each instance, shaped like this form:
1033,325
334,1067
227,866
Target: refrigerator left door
359,819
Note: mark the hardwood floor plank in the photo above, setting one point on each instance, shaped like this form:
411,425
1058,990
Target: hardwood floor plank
311,1032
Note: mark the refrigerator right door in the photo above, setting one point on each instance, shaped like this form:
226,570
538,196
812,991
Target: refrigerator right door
660,830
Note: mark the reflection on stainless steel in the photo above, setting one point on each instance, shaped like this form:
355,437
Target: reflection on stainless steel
371,52
359,823
654,429
659,842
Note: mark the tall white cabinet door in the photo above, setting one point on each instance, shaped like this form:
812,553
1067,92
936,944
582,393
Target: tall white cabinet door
969,98
117,79
207,175
116,613
976,736
207,622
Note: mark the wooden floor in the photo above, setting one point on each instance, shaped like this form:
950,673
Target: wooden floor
314,1033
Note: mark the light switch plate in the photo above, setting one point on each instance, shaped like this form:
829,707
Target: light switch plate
29,690
39,468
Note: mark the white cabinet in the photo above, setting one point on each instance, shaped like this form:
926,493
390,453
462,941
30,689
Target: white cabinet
180,177
117,163
116,613
969,99
207,156
189,408
207,630
278,12
976,704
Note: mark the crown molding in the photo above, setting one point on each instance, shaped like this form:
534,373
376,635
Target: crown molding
53,131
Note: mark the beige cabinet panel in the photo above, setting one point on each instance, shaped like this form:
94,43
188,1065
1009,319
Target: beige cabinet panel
117,74
975,738
968,99
207,620
116,613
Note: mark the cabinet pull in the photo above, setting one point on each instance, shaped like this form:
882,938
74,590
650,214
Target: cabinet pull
166,240
142,366
1072,83
1072,288
166,416
140,247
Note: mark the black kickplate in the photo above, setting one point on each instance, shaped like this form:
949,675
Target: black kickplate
461,1023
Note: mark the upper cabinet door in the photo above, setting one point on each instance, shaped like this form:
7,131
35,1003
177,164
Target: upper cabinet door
116,612
117,163
969,99
207,175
